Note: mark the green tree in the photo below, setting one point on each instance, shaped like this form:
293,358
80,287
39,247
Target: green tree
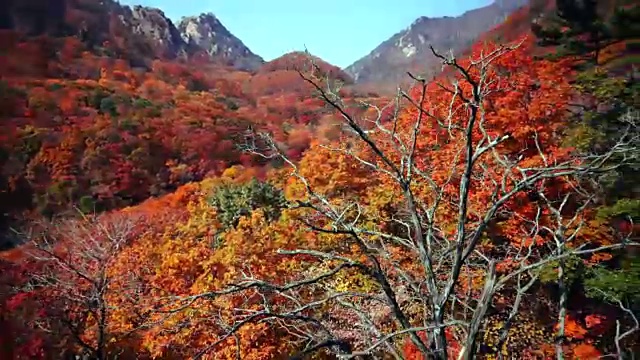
233,201
108,106
608,102
584,27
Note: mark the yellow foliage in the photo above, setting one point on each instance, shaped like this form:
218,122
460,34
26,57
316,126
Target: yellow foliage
353,281
524,333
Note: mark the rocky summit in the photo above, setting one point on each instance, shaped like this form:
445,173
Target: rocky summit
154,26
208,33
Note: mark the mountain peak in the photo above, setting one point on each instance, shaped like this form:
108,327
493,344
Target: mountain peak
205,17
207,32
152,24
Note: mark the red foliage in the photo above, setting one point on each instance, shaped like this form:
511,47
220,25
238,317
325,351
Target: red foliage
109,135
410,351
17,340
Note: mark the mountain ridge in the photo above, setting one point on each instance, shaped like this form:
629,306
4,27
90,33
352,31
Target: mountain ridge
143,33
408,49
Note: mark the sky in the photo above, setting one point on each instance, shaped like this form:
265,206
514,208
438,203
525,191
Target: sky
338,31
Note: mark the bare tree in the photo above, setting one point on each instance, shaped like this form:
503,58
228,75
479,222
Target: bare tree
73,260
427,298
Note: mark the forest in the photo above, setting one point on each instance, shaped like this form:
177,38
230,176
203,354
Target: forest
186,210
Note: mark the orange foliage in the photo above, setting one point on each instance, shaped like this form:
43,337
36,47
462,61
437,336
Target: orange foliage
572,329
410,351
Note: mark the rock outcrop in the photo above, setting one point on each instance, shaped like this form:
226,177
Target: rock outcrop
208,33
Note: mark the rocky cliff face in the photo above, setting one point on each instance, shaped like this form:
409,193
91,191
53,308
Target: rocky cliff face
409,50
151,25
144,33
208,33
194,34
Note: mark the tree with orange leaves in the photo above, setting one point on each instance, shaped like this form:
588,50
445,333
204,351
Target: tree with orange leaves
202,251
479,196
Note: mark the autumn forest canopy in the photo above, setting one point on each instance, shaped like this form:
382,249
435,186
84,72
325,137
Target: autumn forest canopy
177,207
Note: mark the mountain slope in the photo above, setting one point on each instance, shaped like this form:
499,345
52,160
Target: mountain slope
409,49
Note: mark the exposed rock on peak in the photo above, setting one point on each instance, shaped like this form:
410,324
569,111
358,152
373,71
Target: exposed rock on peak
409,50
153,25
208,33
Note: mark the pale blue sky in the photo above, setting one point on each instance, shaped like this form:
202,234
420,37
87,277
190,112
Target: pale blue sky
338,31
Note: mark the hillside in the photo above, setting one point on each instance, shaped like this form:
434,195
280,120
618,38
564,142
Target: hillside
102,127
408,50
165,194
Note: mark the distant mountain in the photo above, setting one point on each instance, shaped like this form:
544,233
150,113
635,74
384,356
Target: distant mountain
139,33
409,50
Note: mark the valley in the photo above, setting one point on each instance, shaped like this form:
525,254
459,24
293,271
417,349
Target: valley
166,193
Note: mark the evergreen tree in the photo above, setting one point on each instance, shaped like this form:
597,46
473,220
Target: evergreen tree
233,201
584,27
